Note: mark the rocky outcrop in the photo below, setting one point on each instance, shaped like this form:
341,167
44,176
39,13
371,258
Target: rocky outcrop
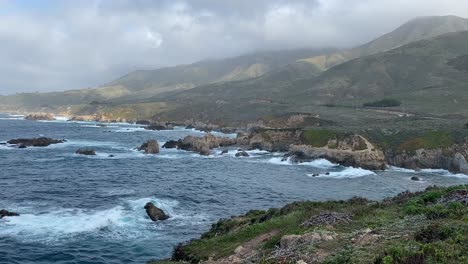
143,122
35,142
155,213
274,140
452,158
86,152
5,213
353,150
150,147
202,145
37,117
160,126
242,154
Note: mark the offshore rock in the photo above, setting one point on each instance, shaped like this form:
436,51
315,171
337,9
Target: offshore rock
150,147
40,117
154,213
35,142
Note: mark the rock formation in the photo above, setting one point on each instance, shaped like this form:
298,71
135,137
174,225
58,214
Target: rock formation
34,142
150,147
353,151
40,117
154,213
5,213
86,152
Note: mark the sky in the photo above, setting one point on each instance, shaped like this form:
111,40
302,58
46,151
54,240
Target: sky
59,45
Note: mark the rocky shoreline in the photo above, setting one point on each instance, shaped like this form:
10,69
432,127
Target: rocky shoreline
347,149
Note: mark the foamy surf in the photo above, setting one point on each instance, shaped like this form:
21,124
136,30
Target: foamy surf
318,163
439,172
347,173
124,221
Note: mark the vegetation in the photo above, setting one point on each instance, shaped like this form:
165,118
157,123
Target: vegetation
383,103
425,227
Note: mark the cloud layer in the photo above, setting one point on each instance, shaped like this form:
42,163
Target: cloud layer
59,45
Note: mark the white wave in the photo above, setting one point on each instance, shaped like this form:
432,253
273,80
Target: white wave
130,129
443,172
125,221
440,172
49,159
62,118
318,163
349,172
16,115
11,118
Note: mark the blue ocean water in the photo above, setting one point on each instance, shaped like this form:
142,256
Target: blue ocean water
78,209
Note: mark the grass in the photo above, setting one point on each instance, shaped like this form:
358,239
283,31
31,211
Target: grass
320,137
409,228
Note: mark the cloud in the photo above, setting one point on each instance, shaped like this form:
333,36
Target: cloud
68,44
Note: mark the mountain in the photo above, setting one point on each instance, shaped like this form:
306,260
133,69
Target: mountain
414,30
414,64
428,77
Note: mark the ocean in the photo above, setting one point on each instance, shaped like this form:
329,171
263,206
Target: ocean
89,209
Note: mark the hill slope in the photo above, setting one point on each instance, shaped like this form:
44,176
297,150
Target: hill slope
414,30
428,76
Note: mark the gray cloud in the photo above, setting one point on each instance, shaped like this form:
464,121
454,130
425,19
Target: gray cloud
78,44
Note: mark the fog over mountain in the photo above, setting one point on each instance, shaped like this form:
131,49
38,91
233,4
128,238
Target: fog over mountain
60,45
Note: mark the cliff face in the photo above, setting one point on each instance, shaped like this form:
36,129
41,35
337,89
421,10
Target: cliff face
452,158
275,140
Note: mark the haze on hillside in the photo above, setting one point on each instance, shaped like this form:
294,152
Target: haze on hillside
63,45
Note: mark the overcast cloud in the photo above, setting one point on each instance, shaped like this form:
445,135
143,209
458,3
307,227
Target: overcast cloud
59,45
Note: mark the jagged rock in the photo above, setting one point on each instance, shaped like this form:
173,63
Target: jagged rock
242,154
150,147
225,151
34,142
154,213
328,219
86,152
5,213
203,145
40,117
172,144
274,140
415,178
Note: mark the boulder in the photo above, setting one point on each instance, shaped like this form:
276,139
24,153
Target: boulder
86,151
242,154
40,117
143,122
172,144
5,213
154,213
150,147
225,151
34,142
414,178
203,145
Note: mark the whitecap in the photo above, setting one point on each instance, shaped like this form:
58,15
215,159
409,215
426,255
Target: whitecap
317,163
348,172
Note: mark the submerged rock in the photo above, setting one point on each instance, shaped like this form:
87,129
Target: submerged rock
35,142
242,154
150,147
40,117
86,151
414,178
154,213
5,213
